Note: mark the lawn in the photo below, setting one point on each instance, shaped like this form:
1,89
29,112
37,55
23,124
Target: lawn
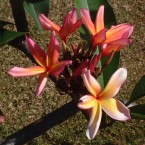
21,108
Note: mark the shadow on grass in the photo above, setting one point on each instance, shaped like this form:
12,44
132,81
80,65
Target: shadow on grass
42,125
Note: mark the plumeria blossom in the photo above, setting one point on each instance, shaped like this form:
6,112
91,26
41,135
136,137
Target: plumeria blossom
71,24
48,63
112,39
98,100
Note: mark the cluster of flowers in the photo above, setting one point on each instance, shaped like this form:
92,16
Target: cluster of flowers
77,61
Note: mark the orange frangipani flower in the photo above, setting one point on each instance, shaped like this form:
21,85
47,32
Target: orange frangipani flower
112,39
98,100
47,63
71,24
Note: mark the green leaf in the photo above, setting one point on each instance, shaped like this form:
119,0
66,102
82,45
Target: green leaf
138,111
138,91
111,68
7,36
83,30
36,7
81,4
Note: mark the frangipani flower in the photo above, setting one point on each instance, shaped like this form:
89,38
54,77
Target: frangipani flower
47,63
111,40
98,100
71,24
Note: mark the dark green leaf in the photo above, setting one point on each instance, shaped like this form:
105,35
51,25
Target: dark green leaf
138,111
81,4
34,8
7,36
111,68
138,91
83,30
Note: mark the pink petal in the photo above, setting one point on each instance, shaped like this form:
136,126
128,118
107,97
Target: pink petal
73,15
87,21
66,28
74,48
110,48
53,50
122,41
99,23
94,122
37,53
41,83
70,25
99,37
115,109
114,84
116,45
94,63
78,71
59,67
91,83
47,24
118,32
76,26
20,72
86,102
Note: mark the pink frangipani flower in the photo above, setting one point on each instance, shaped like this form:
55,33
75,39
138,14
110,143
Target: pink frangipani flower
48,63
98,100
71,24
112,39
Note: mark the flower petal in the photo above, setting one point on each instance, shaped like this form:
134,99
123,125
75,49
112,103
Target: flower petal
66,27
47,24
114,84
53,50
78,70
118,32
115,109
116,45
94,122
87,102
99,23
73,15
41,84
94,62
20,72
87,21
91,83
37,53
99,37
110,48
122,41
76,26
59,67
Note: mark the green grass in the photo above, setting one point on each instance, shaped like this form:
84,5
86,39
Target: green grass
21,108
